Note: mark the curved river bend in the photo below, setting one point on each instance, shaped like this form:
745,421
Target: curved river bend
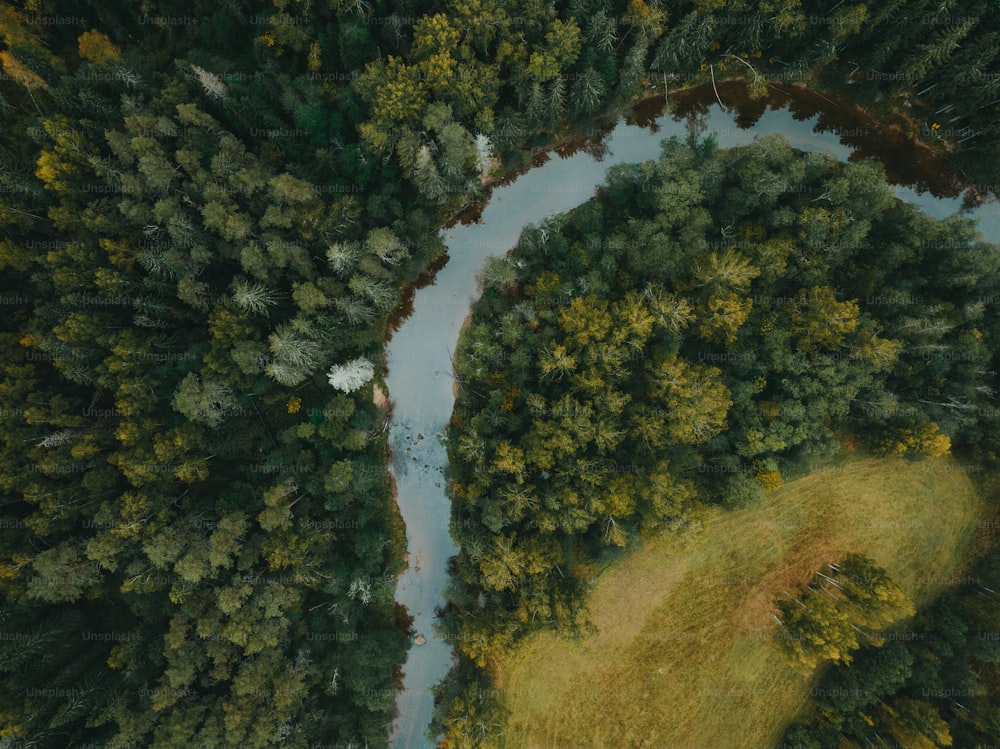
419,353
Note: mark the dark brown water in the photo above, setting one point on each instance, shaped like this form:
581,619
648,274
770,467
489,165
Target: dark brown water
907,161
426,330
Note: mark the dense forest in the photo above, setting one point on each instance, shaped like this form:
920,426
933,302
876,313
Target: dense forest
207,213
709,324
199,542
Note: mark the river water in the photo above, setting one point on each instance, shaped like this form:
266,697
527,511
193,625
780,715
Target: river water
419,353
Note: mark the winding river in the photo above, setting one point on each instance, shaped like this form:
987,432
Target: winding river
419,353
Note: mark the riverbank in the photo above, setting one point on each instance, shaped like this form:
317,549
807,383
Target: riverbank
423,351
906,158
903,119
465,324
922,164
892,123
563,146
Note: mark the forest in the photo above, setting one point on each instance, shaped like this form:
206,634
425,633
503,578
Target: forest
208,211
700,331
933,683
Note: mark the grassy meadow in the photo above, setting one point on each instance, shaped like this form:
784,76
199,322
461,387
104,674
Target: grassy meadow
685,656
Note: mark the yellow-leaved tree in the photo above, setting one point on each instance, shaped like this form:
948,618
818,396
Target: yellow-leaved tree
97,48
821,321
921,439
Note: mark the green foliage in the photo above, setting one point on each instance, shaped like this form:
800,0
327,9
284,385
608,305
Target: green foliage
596,406
905,683
826,621
742,490
151,451
203,401
199,173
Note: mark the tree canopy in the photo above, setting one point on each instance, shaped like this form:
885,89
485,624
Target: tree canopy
685,337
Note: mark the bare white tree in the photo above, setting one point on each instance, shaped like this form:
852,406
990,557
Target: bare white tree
484,153
343,256
360,589
379,293
253,297
352,375
354,309
58,438
212,84
288,347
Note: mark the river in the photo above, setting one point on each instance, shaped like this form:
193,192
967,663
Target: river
419,353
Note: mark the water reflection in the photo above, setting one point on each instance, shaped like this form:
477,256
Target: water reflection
906,161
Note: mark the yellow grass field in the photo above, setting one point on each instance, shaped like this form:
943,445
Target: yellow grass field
685,657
